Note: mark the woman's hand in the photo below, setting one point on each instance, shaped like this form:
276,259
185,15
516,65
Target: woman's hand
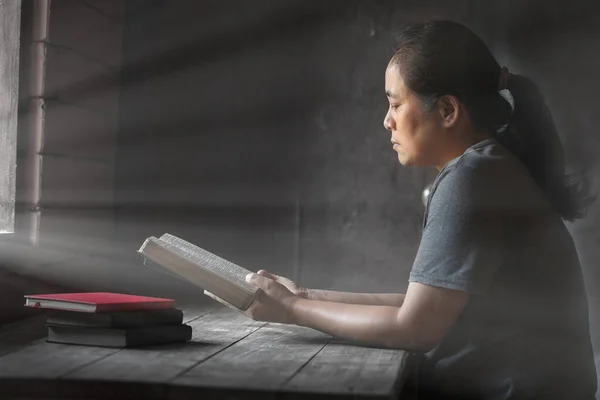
274,302
288,283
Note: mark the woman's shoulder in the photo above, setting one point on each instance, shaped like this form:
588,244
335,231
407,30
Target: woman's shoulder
488,172
489,161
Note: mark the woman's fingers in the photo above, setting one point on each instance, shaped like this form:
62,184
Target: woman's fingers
289,284
263,282
262,272
283,280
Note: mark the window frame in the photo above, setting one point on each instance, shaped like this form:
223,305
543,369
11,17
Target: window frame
10,30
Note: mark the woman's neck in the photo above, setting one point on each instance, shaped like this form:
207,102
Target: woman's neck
459,146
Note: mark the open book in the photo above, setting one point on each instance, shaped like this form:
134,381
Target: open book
202,268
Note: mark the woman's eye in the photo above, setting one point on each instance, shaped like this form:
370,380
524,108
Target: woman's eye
394,106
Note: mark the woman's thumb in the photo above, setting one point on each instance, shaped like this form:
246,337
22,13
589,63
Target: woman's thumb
264,273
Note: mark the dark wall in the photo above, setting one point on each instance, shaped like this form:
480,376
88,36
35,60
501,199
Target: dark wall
254,129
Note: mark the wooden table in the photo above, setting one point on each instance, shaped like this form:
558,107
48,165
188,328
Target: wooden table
229,356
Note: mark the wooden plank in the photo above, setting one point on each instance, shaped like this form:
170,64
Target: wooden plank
191,313
145,372
17,335
35,369
259,365
351,371
10,18
229,356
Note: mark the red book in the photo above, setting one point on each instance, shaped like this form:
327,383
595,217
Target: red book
97,302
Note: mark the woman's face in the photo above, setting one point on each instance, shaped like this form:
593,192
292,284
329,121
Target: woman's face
417,135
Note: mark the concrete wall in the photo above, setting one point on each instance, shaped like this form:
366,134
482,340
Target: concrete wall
255,130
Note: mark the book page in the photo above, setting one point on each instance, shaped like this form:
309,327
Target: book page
210,261
185,264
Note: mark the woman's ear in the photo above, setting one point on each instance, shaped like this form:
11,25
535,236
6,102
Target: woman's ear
449,109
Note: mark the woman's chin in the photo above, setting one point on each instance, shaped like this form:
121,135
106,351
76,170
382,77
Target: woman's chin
403,159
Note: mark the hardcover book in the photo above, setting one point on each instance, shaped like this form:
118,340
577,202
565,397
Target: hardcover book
96,302
201,268
117,319
131,337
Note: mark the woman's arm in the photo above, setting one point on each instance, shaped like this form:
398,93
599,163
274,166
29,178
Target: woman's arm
373,299
419,324
426,314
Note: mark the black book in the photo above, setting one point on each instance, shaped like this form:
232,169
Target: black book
131,337
120,319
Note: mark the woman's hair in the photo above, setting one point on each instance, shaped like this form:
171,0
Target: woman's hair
445,58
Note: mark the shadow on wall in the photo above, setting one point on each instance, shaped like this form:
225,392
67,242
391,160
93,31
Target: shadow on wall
256,132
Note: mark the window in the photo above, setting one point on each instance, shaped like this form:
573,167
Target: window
10,17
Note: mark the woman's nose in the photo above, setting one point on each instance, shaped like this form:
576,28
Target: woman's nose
388,121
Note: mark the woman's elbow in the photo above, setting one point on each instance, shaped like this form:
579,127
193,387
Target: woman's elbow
413,335
416,343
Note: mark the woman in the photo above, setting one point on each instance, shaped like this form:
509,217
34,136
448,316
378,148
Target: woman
495,300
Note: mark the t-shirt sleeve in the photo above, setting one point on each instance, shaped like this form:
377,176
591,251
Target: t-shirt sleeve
461,245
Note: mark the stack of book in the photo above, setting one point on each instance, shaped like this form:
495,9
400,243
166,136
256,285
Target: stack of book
110,319
121,320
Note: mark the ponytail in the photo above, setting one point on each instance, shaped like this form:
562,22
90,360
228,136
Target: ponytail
532,137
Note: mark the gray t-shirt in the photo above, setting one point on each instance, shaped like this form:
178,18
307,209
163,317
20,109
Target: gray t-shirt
489,230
